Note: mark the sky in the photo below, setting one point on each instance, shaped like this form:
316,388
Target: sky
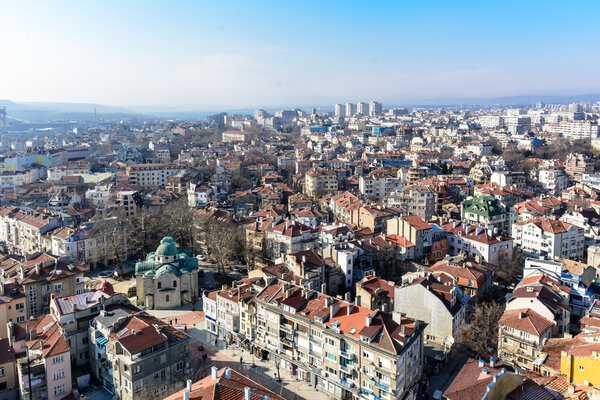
207,55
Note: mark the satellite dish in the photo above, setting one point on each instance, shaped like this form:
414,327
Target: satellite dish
449,341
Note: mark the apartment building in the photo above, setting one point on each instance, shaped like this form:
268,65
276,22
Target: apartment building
477,241
290,236
22,230
375,293
8,372
75,312
320,182
473,277
485,211
520,334
574,129
419,199
235,136
378,184
576,165
553,180
442,306
415,230
152,176
42,354
342,349
76,244
13,307
136,355
548,238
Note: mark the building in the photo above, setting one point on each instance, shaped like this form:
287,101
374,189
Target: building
137,356
340,348
419,199
362,109
477,241
509,178
473,277
350,109
574,129
289,237
151,176
339,110
375,293
235,136
224,383
485,211
23,230
77,244
378,184
442,306
320,182
576,165
13,307
9,389
520,333
43,358
75,312
415,230
580,364
555,181
375,108
168,277
549,239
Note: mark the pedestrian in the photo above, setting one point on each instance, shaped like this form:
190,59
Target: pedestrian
241,362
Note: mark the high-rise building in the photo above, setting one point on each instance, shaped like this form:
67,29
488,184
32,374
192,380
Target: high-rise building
350,109
339,110
362,108
575,108
375,108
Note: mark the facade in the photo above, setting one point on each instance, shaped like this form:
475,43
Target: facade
485,211
168,278
13,307
76,244
137,356
377,185
375,293
319,183
289,237
443,307
340,348
548,238
22,230
576,165
520,333
474,278
48,365
415,230
235,136
151,176
9,390
477,241
555,181
420,200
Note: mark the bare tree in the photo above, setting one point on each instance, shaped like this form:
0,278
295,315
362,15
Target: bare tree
221,238
510,268
479,336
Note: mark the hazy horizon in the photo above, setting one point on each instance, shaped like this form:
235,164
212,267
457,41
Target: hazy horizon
210,56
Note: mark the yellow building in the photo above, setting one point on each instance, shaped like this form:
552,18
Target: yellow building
581,364
12,306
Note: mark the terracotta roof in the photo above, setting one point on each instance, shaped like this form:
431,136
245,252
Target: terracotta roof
417,222
526,320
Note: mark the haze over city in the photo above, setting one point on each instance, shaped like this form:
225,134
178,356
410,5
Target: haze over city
209,55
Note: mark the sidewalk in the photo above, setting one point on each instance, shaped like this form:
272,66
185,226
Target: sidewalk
262,372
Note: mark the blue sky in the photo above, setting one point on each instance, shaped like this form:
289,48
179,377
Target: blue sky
193,54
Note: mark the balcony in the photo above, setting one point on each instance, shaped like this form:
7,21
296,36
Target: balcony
346,355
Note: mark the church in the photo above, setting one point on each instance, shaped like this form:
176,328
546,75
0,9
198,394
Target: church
168,278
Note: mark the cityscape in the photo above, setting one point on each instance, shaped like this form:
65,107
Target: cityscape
219,202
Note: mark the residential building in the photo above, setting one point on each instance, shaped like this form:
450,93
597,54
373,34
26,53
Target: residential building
576,165
9,389
548,238
235,136
415,230
485,211
320,182
136,355
168,277
378,184
342,349
441,306
42,354
476,241
520,334
375,108
553,180
475,278
419,199
290,236
13,307
77,244
375,293
509,178
152,176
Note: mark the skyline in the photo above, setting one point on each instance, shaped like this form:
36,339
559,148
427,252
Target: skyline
204,56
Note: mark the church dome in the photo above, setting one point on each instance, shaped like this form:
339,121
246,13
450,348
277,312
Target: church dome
167,247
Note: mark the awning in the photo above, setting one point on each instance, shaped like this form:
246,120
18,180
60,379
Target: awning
101,340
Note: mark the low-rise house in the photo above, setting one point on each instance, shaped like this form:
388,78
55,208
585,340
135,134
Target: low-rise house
415,230
485,211
9,388
13,307
475,278
375,293
290,236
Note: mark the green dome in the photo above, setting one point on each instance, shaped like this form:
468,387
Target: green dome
167,247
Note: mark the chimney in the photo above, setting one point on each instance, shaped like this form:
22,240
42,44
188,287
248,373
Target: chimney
1,289
41,345
368,320
303,259
186,394
189,385
246,393
349,309
323,288
214,372
493,362
227,373
347,296
522,314
481,363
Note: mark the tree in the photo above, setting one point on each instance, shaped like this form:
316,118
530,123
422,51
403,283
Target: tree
479,336
510,268
221,238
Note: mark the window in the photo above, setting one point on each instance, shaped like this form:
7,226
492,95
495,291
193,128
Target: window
58,359
1,371
329,341
58,287
581,368
167,298
159,285
20,307
174,283
331,356
137,369
60,389
180,365
137,386
59,373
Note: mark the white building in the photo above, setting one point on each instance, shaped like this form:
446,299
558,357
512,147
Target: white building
477,241
375,108
549,239
555,181
339,110
362,108
574,129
